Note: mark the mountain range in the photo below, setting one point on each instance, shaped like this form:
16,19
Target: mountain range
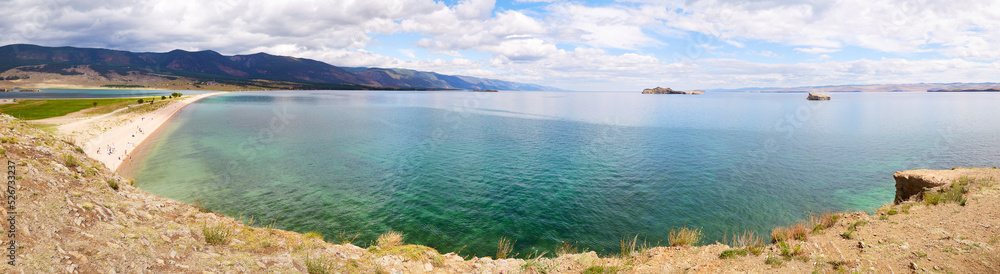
106,67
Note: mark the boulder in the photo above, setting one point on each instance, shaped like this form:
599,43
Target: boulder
818,96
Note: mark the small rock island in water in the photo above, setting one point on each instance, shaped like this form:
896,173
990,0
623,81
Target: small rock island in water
484,90
818,96
659,90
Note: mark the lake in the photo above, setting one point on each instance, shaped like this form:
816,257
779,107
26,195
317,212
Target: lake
458,170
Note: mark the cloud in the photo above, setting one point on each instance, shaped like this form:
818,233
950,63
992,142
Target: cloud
572,44
816,50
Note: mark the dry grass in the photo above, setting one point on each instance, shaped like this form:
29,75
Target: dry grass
566,247
389,239
504,247
797,231
346,238
753,242
684,236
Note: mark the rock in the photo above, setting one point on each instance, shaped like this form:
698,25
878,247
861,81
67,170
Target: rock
818,96
910,183
861,244
659,90
79,257
913,266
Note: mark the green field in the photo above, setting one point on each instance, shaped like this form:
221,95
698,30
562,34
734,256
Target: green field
46,108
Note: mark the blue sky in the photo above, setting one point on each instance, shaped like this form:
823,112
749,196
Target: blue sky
578,45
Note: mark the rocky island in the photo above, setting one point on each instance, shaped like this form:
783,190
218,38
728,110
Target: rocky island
818,96
659,90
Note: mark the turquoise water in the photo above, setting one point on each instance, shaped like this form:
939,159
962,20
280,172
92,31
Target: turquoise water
458,170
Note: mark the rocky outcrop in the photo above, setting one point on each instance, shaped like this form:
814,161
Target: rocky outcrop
911,184
659,90
818,96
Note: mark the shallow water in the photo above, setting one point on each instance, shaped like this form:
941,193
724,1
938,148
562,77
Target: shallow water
458,170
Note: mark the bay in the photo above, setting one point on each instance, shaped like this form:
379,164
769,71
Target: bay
458,170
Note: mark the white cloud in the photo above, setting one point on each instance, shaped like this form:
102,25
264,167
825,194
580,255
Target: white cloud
618,45
816,50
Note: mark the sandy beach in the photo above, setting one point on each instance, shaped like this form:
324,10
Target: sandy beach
110,138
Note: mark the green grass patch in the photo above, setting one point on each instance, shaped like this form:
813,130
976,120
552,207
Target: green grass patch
732,253
953,194
41,109
600,269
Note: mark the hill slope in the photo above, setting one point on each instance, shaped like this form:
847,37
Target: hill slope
113,67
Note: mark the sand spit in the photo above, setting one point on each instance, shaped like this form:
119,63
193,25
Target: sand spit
74,215
110,138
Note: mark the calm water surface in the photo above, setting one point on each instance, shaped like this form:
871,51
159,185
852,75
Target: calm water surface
459,169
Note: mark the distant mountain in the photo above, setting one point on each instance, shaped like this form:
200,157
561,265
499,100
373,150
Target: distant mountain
406,78
260,70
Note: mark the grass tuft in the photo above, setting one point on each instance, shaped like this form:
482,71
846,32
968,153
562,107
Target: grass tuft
773,261
566,247
389,239
70,161
313,235
318,265
732,253
504,247
201,206
601,269
113,184
797,231
684,236
751,241
216,235
345,238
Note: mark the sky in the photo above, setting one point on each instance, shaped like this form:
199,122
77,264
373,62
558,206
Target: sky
576,45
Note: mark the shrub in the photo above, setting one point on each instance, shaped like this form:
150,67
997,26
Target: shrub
504,247
113,184
684,236
389,239
216,235
139,101
163,97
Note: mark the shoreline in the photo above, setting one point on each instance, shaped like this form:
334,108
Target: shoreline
123,138
73,220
